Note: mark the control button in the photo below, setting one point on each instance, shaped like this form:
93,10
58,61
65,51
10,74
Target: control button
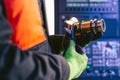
87,9
63,17
83,9
99,9
103,9
95,9
97,73
107,9
114,3
110,72
74,9
78,9
104,73
91,9
88,71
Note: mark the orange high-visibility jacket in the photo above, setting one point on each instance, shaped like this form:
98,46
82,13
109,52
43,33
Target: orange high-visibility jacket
25,20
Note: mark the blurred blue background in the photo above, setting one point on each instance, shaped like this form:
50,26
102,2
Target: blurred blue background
104,54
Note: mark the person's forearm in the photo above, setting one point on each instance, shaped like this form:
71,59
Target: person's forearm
16,64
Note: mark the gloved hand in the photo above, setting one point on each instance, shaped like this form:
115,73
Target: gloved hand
77,62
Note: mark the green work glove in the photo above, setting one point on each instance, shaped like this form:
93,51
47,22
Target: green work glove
77,62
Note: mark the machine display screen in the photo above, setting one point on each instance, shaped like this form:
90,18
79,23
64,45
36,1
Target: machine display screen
99,0
84,3
104,53
87,0
77,0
